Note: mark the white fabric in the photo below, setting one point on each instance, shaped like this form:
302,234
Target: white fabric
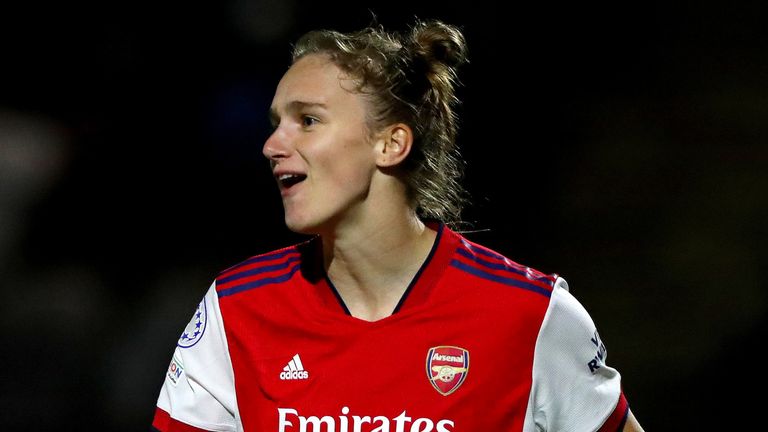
203,393
573,389
567,394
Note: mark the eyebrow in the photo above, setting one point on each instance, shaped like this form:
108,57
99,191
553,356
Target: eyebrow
294,106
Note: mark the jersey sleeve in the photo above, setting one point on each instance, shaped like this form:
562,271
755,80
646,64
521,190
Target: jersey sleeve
199,390
573,387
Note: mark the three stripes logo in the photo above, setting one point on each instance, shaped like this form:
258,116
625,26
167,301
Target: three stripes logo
294,370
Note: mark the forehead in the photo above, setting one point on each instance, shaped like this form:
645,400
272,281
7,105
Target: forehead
316,80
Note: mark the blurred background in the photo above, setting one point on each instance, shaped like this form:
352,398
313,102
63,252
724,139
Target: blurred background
624,147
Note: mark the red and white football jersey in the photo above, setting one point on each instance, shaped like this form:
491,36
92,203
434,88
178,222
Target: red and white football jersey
477,343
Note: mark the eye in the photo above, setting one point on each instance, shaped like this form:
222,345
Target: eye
308,121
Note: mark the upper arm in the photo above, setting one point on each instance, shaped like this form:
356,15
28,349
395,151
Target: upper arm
573,387
199,386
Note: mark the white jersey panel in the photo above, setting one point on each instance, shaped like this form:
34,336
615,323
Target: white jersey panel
199,388
573,389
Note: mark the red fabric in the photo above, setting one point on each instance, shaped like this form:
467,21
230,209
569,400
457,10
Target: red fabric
616,421
357,369
164,423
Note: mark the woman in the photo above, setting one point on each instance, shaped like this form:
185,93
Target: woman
386,320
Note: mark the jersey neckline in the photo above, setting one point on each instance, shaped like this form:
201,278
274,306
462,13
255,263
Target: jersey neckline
415,294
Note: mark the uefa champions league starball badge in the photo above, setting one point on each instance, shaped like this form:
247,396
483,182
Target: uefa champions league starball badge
196,327
447,368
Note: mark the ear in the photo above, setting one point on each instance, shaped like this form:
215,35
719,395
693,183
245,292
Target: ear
393,145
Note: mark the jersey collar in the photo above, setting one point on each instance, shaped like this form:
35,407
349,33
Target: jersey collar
417,292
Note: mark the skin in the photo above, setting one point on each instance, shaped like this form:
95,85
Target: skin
373,242
632,424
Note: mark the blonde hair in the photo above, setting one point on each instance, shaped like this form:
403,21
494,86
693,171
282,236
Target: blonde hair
409,78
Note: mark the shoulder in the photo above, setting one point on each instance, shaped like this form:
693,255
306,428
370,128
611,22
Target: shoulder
490,265
268,268
573,385
569,340
567,321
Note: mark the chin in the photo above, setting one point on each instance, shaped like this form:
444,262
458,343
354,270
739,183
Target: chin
301,226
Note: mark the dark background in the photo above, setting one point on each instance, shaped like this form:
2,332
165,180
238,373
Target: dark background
623,147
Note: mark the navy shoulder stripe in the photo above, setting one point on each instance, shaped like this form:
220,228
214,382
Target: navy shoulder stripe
258,270
501,279
472,251
271,256
245,286
271,268
489,265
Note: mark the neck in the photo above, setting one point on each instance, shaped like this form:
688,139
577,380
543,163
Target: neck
372,265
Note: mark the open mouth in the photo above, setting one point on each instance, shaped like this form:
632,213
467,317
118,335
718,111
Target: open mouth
288,180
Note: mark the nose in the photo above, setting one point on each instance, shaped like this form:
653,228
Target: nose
276,146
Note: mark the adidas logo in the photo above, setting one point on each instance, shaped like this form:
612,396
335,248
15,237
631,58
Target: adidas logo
294,370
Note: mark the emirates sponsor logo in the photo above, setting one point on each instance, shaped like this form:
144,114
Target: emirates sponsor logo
289,419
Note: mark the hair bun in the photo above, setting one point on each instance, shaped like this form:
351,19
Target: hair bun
440,42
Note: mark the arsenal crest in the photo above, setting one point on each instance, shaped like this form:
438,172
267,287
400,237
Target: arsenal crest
447,368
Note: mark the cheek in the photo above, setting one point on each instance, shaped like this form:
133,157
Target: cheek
353,163
351,175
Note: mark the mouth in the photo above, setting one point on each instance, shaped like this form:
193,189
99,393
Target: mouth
286,181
